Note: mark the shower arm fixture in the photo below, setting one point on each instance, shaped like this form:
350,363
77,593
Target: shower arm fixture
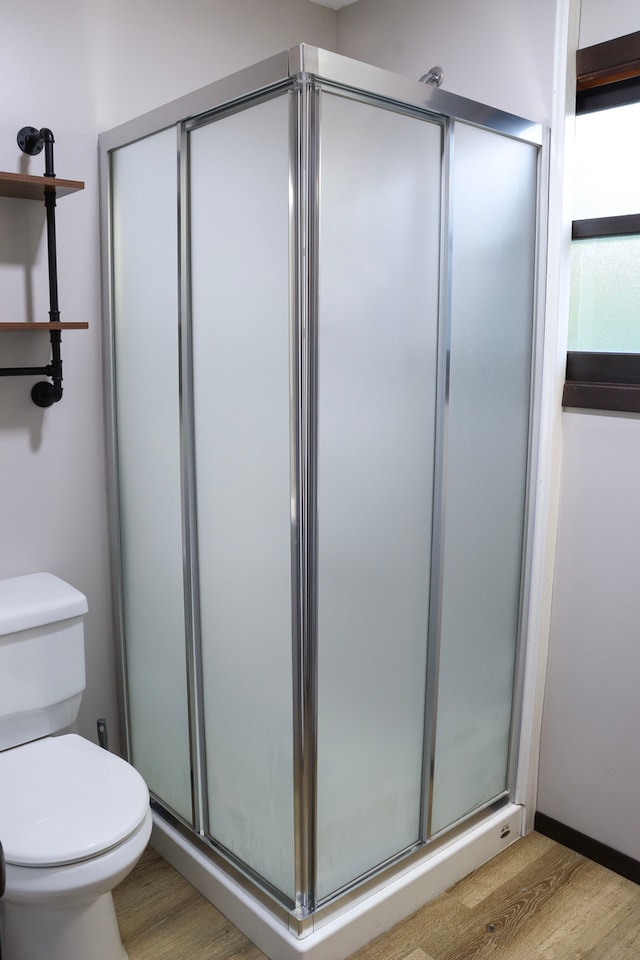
433,77
43,393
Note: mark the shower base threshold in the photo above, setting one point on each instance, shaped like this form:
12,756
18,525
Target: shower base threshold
344,928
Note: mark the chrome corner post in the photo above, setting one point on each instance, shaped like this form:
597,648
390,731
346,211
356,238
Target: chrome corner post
305,140
439,478
193,652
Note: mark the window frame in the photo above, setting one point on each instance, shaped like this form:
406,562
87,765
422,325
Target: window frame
608,75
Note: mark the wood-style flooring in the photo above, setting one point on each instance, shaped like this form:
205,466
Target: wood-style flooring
535,901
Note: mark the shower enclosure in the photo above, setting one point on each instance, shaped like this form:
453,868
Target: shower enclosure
320,290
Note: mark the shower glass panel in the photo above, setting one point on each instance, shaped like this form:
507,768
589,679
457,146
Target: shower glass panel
379,232
493,259
239,214
145,308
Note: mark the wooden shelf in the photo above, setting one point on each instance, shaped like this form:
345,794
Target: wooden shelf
25,187
25,326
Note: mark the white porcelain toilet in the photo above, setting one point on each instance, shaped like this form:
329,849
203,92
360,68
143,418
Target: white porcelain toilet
74,818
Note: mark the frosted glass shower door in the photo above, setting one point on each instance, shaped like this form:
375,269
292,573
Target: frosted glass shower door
377,362
144,182
240,306
321,306
493,261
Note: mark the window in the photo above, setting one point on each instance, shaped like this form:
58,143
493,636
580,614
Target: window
603,365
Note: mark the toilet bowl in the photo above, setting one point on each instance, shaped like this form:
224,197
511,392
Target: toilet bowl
74,818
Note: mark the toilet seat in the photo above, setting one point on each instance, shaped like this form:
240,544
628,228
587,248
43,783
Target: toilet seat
63,800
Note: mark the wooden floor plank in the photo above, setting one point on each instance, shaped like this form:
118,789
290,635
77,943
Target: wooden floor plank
493,925
487,878
162,917
622,943
585,912
408,935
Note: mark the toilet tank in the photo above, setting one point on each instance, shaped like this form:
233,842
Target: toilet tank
42,674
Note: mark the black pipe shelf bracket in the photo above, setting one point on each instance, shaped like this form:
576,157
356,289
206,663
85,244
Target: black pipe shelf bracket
32,141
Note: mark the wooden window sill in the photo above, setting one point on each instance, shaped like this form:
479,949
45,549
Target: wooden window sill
602,381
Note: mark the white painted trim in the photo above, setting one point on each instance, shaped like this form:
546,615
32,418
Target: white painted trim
547,496
359,922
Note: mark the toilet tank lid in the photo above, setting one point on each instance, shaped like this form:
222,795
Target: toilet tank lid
37,599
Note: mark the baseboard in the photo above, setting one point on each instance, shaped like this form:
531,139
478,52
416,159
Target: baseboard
598,852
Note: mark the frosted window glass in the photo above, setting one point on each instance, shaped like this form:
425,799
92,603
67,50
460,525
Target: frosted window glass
378,302
605,295
240,292
145,259
607,150
490,364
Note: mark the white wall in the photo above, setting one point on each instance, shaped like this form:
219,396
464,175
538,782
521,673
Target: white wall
498,52
589,769
603,21
78,67
52,497
147,53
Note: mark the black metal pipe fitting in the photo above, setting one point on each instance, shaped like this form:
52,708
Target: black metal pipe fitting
43,394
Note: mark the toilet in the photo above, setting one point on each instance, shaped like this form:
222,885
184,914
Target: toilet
74,818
